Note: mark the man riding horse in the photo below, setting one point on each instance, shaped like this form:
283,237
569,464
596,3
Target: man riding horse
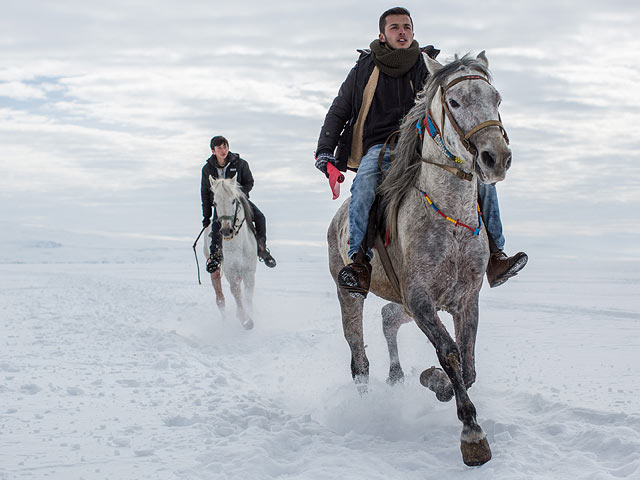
378,91
225,164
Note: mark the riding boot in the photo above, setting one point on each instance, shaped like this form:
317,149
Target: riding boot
501,268
355,277
264,255
215,260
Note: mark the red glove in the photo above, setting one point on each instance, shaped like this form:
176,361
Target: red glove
335,179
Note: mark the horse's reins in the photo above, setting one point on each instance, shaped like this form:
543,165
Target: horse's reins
428,124
464,137
234,219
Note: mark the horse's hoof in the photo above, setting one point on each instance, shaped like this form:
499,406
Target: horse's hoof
438,382
247,324
362,383
363,389
475,453
396,375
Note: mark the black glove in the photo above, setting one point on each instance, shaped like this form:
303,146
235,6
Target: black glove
322,159
206,222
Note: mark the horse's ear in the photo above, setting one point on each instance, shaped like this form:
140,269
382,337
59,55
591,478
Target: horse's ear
211,180
482,58
432,64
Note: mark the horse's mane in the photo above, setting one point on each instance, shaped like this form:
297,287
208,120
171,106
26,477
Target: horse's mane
405,167
230,188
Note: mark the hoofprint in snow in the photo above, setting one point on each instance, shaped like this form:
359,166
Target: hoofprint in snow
126,370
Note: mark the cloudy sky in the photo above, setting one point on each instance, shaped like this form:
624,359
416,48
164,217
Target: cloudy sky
107,108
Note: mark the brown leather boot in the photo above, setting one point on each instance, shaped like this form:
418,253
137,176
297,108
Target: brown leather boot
501,268
355,278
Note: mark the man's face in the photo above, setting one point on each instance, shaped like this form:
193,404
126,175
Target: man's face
398,32
221,152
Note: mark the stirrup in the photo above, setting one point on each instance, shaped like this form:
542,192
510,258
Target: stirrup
349,279
265,256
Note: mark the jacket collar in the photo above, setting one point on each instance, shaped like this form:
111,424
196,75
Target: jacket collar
231,157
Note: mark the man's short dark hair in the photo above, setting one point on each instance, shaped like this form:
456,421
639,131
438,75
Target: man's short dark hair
218,140
393,11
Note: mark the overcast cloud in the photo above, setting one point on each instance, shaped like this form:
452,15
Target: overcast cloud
106,109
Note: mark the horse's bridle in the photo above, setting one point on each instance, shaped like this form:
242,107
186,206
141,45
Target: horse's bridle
235,228
428,124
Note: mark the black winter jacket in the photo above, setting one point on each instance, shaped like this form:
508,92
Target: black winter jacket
393,98
237,167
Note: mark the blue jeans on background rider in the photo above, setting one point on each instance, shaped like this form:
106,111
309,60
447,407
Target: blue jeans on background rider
488,200
363,194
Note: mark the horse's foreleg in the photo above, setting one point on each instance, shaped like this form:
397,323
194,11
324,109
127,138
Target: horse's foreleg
393,316
235,285
473,443
351,309
216,281
466,325
249,285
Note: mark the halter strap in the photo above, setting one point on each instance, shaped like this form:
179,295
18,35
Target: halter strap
464,137
489,123
434,133
234,218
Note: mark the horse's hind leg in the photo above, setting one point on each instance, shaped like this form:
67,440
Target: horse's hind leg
473,442
393,315
351,309
216,281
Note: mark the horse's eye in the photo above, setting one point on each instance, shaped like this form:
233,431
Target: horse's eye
454,104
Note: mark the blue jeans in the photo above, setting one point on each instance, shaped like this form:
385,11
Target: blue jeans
363,194
488,200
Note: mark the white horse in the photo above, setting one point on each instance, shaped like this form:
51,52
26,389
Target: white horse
239,248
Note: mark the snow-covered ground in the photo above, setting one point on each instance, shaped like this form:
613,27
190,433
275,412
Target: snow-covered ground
116,364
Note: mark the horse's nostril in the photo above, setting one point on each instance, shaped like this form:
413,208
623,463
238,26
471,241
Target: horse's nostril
508,164
488,159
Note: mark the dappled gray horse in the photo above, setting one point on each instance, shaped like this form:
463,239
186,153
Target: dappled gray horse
450,138
239,249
